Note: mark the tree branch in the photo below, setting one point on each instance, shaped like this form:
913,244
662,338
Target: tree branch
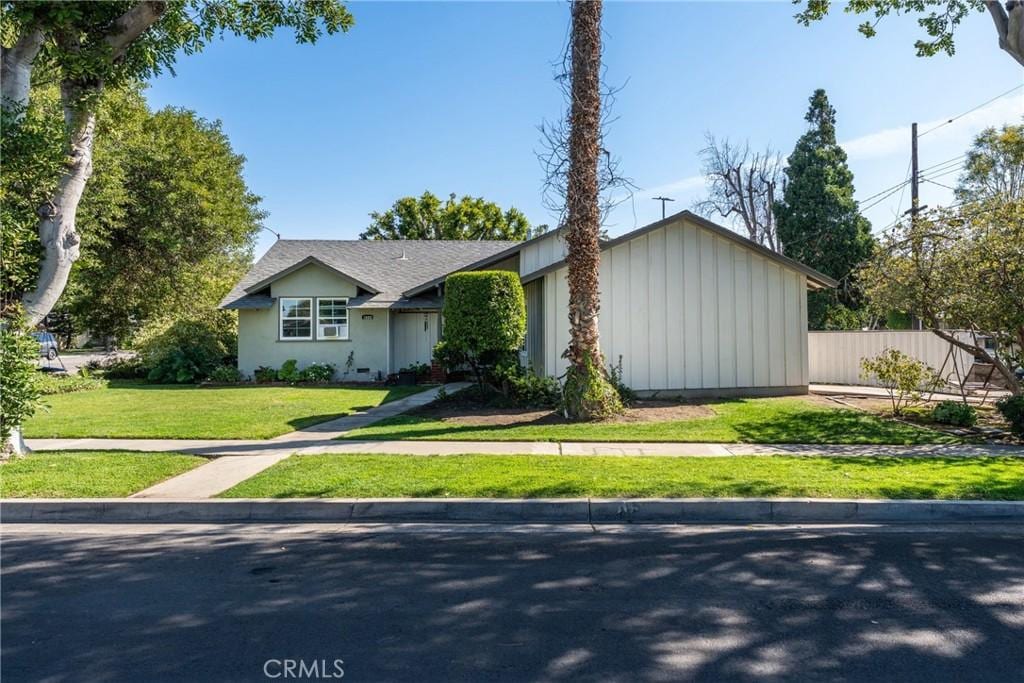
1009,26
132,24
16,71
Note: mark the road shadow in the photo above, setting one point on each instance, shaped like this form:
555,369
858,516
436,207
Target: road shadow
716,606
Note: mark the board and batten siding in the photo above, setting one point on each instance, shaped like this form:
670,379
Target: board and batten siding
835,356
541,252
689,310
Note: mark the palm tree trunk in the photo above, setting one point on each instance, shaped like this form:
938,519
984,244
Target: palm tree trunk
588,393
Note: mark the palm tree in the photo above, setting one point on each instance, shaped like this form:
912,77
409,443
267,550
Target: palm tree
588,393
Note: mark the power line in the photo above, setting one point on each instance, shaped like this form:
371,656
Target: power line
881,199
943,163
885,191
949,171
969,111
929,180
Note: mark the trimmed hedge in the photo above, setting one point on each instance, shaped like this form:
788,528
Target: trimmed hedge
484,314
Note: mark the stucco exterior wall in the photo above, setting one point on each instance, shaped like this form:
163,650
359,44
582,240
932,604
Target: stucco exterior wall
690,311
258,330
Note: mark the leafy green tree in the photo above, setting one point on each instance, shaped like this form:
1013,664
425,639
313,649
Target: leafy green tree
959,268
818,221
20,392
89,46
484,319
940,21
183,248
428,218
32,159
994,166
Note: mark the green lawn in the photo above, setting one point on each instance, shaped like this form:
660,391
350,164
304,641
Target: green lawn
549,476
89,474
132,410
752,420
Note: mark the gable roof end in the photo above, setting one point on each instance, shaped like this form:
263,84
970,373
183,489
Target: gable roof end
815,279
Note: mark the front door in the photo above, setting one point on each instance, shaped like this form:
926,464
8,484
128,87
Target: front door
413,335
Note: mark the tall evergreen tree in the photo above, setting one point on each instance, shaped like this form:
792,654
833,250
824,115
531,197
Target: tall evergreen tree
819,223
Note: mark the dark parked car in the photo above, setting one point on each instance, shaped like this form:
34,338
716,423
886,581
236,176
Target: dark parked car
47,344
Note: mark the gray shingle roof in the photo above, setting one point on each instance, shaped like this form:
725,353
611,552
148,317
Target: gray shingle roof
374,264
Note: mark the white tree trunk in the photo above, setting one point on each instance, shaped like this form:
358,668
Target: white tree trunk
16,72
1009,23
57,216
16,443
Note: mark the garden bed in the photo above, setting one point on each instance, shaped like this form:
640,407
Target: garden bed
803,419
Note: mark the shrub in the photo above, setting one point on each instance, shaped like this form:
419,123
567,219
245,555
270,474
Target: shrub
448,356
289,372
264,374
1012,408
19,381
51,384
902,376
485,318
626,394
526,388
317,372
182,351
955,413
421,369
118,368
587,393
225,374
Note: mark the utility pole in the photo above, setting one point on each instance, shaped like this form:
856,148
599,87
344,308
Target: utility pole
663,200
914,196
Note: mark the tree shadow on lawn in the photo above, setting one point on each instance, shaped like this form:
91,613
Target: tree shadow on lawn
837,426
958,480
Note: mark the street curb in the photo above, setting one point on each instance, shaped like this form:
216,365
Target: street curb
575,510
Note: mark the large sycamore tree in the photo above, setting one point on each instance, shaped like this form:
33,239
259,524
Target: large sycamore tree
88,46
588,393
940,19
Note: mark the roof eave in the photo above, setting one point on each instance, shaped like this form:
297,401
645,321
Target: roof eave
266,282
500,256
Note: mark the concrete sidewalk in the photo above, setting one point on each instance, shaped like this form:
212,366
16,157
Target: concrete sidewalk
878,392
310,445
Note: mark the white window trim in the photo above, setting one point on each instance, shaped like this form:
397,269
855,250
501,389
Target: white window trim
348,319
281,318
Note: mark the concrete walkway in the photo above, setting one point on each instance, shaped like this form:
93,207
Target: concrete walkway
248,458
878,392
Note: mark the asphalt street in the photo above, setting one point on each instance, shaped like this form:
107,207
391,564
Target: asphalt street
435,603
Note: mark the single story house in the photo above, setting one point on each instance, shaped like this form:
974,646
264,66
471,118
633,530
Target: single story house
690,307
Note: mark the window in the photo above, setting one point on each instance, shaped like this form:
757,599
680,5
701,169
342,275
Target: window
332,318
296,318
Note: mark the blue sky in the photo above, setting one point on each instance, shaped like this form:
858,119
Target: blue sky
448,96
